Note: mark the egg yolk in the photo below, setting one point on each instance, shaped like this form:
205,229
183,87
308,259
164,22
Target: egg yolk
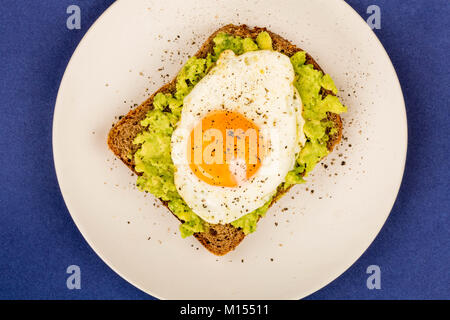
225,149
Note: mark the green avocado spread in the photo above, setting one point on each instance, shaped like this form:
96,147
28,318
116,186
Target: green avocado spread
153,159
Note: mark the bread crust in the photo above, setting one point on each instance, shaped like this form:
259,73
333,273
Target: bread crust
218,239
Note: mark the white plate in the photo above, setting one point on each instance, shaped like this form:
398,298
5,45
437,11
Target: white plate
317,237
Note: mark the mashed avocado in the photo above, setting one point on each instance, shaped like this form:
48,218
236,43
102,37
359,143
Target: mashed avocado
248,222
317,128
264,41
153,159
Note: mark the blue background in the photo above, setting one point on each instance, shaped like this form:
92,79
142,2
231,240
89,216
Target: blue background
38,239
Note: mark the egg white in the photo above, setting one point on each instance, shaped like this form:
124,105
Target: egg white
259,85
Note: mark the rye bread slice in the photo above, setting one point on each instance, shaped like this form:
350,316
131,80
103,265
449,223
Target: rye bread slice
218,239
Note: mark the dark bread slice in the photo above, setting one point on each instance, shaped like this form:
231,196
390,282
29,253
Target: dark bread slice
218,239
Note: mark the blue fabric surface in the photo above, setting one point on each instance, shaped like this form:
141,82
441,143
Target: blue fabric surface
38,239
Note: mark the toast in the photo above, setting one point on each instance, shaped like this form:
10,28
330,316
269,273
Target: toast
218,239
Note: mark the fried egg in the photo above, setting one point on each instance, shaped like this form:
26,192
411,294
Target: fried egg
239,133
